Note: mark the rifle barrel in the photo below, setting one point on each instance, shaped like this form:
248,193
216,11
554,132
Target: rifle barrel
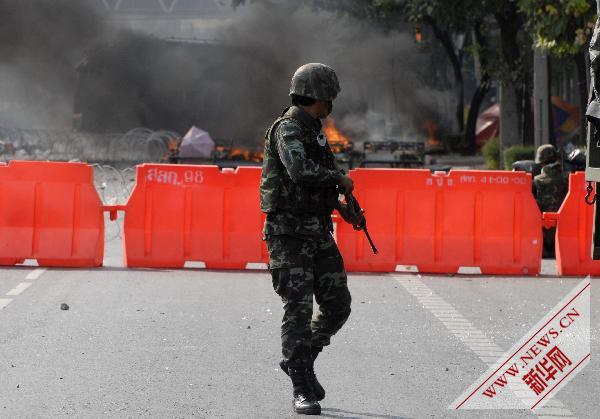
375,251
351,200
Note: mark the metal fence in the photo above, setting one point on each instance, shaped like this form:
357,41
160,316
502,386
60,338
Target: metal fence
113,157
135,146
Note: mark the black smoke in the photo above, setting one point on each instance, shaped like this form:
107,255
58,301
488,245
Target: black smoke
234,86
41,41
386,77
58,57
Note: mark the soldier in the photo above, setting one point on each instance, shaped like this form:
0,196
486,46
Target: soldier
549,188
299,189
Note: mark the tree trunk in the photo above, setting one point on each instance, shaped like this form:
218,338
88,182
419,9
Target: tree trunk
527,117
511,113
480,92
445,38
582,87
470,129
513,83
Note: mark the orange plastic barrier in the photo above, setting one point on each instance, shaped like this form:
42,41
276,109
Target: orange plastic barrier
50,212
439,223
181,213
574,222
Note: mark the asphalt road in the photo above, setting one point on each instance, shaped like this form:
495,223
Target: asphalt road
197,343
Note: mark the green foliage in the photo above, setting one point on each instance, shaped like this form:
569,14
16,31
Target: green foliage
491,153
563,27
500,32
516,153
456,16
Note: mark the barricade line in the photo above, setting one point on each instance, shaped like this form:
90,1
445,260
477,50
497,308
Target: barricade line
400,237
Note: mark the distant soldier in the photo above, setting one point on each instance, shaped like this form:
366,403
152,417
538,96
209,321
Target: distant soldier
299,189
549,188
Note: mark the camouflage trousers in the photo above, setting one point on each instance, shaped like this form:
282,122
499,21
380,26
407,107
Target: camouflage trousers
301,268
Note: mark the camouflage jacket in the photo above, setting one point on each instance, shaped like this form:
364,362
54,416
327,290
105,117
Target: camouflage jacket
550,187
298,186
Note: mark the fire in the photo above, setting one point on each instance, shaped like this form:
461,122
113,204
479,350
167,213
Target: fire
239,153
259,156
431,129
418,34
172,149
337,141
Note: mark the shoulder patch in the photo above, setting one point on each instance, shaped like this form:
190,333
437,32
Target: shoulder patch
322,140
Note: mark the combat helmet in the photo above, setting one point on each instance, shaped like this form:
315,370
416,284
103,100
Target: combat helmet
546,154
315,80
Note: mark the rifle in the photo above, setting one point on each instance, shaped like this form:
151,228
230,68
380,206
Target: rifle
355,209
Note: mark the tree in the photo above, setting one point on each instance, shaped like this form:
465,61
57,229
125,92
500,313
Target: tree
563,28
480,49
445,20
448,21
509,63
513,69
504,59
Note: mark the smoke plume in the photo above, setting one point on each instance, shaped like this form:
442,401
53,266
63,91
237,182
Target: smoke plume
40,43
383,76
233,87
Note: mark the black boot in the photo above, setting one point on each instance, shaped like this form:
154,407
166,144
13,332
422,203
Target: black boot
317,388
305,401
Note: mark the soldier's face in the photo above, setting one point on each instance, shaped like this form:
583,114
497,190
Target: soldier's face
324,108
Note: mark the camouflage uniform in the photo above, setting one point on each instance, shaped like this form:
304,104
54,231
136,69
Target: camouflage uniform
298,192
550,188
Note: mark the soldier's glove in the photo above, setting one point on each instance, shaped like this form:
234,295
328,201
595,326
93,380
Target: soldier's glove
346,184
362,222
349,215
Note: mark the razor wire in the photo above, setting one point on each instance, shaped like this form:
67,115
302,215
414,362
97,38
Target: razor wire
138,145
114,187
113,157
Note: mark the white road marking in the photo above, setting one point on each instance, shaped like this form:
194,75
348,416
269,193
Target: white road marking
19,288
406,268
4,302
473,338
36,273
256,266
469,270
194,264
